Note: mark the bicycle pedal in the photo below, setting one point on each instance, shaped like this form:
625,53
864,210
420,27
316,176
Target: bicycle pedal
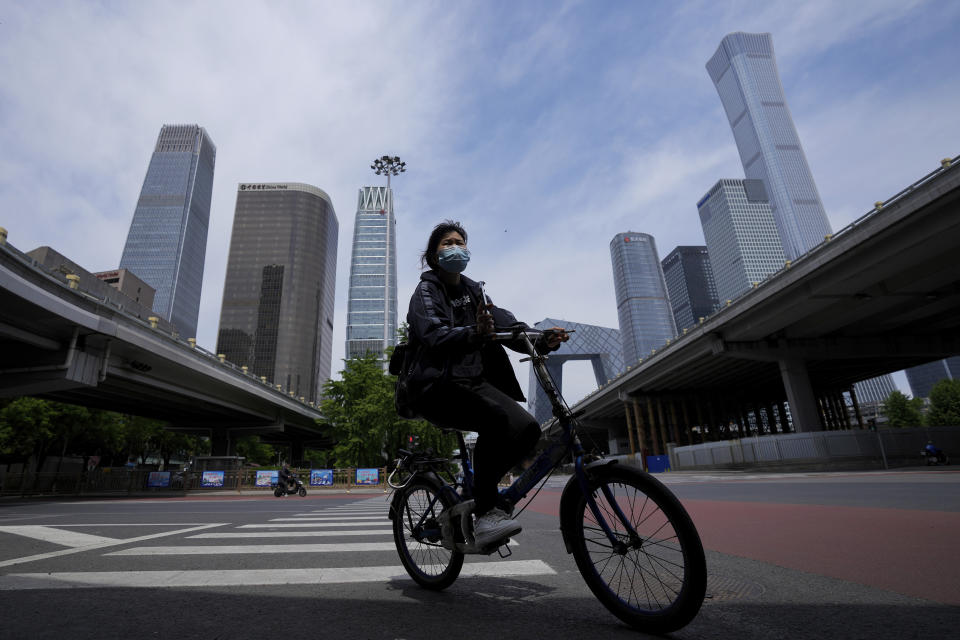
505,546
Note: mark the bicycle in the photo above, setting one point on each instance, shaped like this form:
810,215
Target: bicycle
633,542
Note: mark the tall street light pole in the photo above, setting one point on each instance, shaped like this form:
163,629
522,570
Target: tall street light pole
391,166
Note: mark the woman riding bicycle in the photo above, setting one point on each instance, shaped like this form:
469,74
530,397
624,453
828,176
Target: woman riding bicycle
461,380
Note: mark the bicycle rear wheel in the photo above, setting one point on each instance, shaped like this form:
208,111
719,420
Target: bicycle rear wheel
655,582
416,531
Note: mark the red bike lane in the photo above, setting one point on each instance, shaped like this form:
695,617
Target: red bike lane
912,552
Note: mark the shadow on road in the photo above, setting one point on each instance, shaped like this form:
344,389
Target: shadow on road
478,608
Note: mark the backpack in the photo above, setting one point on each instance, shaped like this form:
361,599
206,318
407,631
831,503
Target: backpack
400,366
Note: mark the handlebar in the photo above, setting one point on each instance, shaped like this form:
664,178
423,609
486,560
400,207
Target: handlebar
513,333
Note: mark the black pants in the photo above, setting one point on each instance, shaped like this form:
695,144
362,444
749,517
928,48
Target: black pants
506,432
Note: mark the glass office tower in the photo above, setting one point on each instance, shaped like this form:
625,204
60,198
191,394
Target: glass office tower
646,320
744,71
278,295
690,285
874,391
167,241
742,239
372,301
922,378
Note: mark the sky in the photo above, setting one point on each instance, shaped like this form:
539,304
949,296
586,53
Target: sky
544,127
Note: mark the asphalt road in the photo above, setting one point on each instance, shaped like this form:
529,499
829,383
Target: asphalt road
845,555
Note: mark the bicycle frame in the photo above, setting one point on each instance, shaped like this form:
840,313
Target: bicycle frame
559,446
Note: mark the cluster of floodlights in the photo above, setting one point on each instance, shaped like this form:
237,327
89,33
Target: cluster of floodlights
388,166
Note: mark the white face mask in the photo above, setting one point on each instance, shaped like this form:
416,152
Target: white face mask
453,259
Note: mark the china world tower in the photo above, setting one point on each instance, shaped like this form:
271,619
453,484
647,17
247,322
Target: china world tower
372,301
167,242
744,70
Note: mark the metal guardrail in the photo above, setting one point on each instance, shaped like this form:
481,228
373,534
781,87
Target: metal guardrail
123,481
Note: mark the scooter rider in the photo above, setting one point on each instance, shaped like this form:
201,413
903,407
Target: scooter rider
935,452
286,477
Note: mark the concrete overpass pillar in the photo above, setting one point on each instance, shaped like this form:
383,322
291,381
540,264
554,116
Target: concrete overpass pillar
626,411
803,404
296,452
653,426
664,437
784,421
641,434
856,407
221,443
686,420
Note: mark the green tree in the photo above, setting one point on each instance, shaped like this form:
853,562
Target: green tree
253,450
944,404
359,409
27,428
902,411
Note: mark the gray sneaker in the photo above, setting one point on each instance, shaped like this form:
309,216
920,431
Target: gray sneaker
494,525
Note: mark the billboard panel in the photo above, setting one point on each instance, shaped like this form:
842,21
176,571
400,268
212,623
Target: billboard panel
158,479
321,477
266,478
368,476
212,479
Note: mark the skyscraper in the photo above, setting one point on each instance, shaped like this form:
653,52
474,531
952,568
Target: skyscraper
646,321
278,295
874,391
372,301
600,345
690,285
744,71
167,241
741,235
924,376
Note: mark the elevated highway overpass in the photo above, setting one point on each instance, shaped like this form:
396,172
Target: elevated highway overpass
878,296
65,344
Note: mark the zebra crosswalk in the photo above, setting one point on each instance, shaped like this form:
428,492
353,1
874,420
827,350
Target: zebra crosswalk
359,531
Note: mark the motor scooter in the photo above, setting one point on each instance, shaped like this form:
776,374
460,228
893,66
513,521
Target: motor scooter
297,488
931,457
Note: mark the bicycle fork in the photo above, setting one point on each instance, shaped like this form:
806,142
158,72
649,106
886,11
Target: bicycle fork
619,546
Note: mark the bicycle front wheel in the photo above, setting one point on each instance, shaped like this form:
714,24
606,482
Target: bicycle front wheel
655,580
416,531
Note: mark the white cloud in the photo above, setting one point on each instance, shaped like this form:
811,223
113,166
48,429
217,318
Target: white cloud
545,128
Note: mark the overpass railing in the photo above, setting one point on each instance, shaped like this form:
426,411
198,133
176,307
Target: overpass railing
851,448
60,279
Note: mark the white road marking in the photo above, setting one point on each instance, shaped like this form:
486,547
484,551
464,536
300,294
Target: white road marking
331,512
330,519
133,524
304,525
56,536
250,577
187,550
64,552
235,549
295,534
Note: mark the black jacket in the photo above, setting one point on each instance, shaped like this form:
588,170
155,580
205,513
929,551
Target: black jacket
438,348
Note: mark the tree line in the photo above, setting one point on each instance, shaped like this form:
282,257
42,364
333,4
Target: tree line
358,411
944,409
35,429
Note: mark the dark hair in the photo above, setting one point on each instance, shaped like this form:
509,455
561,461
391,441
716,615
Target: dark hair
429,256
